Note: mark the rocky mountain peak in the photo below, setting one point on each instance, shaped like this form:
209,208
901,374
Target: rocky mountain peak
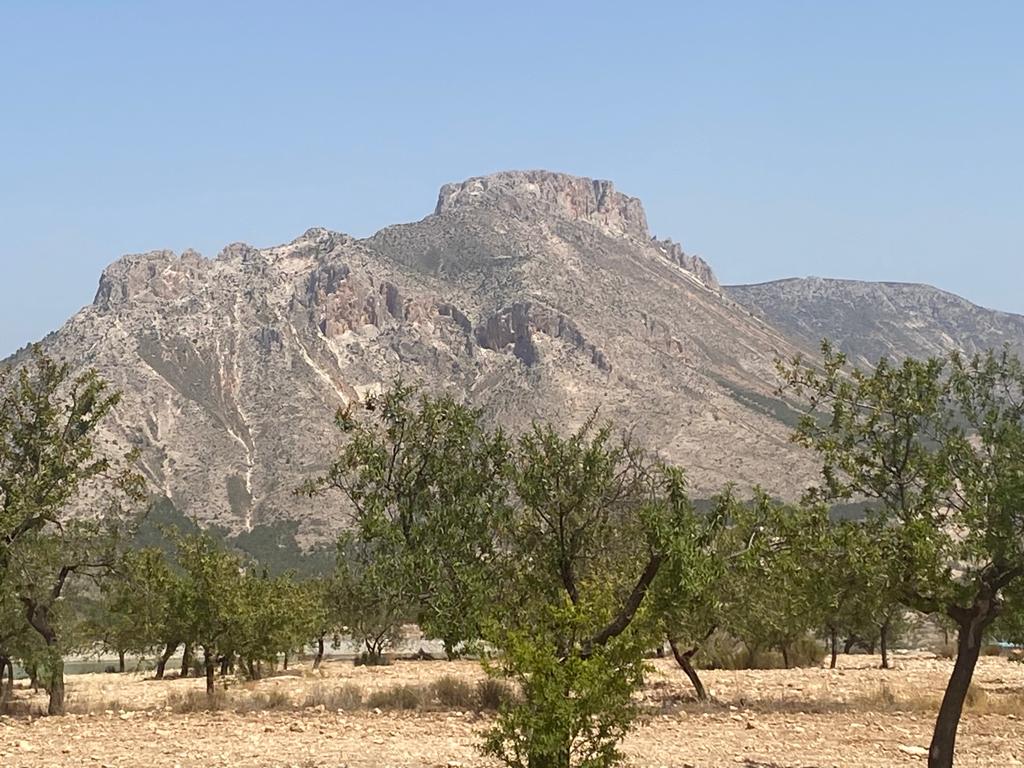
527,194
162,272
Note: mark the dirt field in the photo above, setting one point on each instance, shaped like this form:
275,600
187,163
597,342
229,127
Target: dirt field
813,718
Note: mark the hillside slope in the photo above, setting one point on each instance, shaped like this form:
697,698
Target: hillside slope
536,295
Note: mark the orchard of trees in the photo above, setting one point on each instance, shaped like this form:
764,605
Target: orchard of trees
563,559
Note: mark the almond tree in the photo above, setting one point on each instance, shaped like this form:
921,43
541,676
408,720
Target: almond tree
50,461
940,445
422,479
214,598
594,525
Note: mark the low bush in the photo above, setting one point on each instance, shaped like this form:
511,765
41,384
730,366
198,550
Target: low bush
492,695
400,697
452,693
197,701
345,697
365,659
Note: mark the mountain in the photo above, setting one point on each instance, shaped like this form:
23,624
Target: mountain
869,321
535,295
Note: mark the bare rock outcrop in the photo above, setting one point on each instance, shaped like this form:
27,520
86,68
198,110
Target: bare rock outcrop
537,194
532,295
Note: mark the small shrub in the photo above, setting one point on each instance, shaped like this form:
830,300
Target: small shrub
365,659
992,650
197,701
806,652
453,693
273,699
398,697
492,695
944,650
976,698
721,651
346,697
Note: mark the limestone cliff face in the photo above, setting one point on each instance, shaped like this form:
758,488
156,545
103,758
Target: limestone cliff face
531,195
534,295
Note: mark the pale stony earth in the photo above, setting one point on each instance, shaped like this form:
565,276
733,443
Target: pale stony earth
855,716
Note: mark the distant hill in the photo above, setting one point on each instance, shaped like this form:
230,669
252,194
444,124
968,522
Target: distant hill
869,321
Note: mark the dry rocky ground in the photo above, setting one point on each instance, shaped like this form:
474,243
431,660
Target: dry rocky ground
857,715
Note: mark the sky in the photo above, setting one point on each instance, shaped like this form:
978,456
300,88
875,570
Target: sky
868,140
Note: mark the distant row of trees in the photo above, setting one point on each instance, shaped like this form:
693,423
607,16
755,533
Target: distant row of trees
562,558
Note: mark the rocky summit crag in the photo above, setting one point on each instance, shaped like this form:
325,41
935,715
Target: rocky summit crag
534,295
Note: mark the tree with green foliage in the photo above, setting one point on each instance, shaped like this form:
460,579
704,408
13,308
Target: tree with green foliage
594,524
692,595
325,605
50,460
772,594
371,593
859,584
214,598
131,613
422,478
940,445
546,548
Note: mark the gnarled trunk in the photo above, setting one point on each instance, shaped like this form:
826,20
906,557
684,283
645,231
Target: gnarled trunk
38,616
186,660
56,686
972,625
319,653
6,688
833,637
883,641
211,667
683,659
161,663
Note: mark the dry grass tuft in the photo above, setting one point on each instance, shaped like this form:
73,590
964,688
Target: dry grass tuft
452,693
492,695
75,706
346,697
401,697
198,701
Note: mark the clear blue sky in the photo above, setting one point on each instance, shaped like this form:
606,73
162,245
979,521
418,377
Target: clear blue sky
875,140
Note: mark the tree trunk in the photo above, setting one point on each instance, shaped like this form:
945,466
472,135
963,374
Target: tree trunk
120,662
211,668
968,646
186,660
319,653
883,641
683,660
785,655
6,669
56,685
848,645
161,663
38,616
833,637
286,661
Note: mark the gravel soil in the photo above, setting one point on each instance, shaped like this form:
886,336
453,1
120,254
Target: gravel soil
856,716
